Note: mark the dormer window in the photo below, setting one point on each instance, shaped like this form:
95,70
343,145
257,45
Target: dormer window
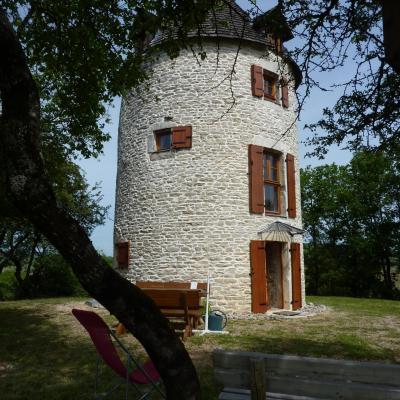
278,44
274,42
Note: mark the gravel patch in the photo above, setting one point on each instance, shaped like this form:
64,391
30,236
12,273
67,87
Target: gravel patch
308,310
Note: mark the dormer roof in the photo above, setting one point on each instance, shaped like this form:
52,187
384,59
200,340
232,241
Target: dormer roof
229,21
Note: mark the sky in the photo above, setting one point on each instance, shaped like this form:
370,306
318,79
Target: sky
103,170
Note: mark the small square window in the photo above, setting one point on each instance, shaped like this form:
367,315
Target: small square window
163,139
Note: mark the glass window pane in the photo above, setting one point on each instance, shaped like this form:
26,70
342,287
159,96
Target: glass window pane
265,169
269,86
271,164
165,141
271,197
274,168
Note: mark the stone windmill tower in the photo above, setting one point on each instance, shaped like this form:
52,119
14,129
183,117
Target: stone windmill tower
204,186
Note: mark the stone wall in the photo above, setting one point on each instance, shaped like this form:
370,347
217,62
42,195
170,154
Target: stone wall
187,211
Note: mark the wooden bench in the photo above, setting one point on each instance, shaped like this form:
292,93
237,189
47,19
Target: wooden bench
181,306
194,313
247,375
173,285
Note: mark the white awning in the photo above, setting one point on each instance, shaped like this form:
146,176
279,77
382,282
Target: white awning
279,232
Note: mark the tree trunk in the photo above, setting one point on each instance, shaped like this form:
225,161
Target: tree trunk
32,256
387,267
31,192
391,37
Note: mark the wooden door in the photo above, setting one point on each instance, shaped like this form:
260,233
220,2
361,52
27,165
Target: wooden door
296,276
274,274
258,276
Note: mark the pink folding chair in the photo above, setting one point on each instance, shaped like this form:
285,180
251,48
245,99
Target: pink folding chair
143,375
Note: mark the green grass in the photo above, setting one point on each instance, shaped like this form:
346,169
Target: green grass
46,354
373,307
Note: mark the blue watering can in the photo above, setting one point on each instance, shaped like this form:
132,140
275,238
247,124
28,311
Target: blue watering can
217,320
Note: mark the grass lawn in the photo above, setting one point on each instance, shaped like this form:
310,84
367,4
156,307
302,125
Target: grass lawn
45,354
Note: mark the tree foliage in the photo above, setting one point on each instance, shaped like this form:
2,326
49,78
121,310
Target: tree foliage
352,217
61,64
337,33
84,53
21,244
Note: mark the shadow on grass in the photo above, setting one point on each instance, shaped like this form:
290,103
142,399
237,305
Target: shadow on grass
41,357
342,346
39,360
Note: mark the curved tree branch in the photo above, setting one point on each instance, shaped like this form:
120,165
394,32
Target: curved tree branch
30,191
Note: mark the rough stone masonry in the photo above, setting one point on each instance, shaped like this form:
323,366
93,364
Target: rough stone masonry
186,212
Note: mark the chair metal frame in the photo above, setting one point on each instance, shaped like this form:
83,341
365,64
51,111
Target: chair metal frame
130,361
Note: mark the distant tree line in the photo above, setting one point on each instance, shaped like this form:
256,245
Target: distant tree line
352,218
32,266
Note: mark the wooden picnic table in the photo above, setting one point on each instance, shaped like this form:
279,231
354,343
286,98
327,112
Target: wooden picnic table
181,305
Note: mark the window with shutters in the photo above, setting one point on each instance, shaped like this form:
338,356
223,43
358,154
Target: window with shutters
267,186
178,137
265,84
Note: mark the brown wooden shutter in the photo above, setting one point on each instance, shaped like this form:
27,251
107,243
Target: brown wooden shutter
182,137
291,186
258,277
123,254
257,81
256,181
296,275
285,92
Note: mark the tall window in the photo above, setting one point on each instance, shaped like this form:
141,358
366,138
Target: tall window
272,185
266,182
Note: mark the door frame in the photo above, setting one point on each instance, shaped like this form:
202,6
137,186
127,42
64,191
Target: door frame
280,245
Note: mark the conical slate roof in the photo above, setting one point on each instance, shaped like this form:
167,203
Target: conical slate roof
230,21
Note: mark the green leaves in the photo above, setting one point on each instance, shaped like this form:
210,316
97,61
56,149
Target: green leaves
352,217
332,34
84,53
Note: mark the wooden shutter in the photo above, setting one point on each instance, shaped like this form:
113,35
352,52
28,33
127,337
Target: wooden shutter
257,81
258,277
285,93
296,276
256,179
123,254
182,137
291,186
